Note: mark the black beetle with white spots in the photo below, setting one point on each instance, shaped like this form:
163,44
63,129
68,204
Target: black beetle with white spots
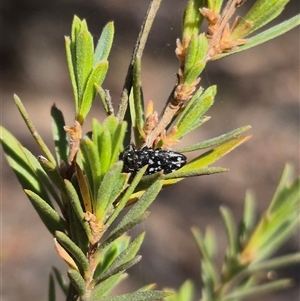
157,159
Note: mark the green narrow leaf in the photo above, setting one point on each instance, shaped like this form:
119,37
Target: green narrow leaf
51,289
59,135
97,131
54,175
129,191
277,224
108,256
215,141
215,5
76,205
191,116
261,13
107,285
127,257
97,77
76,26
104,43
117,190
248,221
33,130
84,189
138,100
259,290
20,165
74,250
136,296
210,272
52,220
186,291
191,103
265,36
84,60
91,163
194,72
195,58
42,176
143,185
111,123
120,230
274,263
178,175
60,280
117,141
71,61
119,269
284,187
192,19
79,234
210,243
190,58
231,232
105,151
142,204
77,281
213,155
105,190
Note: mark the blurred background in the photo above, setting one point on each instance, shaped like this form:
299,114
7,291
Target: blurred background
259,87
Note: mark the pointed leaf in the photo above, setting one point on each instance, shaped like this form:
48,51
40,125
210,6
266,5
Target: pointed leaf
96,76
192,19
33,130
60,280
52,220
105,191
84,61
215,141
258,290
104,43
122,203
43,177
230,226
91,164
51,289
210,275
84,189
71,61
137,110
261,13
213,155
20,165
74,250
104,287
191,53
119,269
76,205
117,141
77,280
136,296
55,176
191,116
105,151
126,257
194,72
178,175
142,204
265,36
59,135
120,230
